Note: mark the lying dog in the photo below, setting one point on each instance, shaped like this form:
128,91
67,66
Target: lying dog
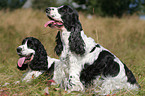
85,63
33,57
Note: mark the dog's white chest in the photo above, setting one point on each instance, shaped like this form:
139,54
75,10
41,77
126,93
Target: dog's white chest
65,37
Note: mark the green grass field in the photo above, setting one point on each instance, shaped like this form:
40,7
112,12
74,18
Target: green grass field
124,37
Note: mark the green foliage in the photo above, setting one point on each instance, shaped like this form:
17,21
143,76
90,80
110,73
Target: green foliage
42,4
115,7
11,4
3,4
141,7
15,4
109,8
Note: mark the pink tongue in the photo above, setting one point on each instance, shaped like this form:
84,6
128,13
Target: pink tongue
46,24
21,61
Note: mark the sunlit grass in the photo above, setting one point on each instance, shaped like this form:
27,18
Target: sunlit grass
124,37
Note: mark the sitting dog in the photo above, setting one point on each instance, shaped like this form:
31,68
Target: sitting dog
84,62
33,57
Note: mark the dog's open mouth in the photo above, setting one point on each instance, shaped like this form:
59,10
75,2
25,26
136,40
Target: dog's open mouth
24,60
54,24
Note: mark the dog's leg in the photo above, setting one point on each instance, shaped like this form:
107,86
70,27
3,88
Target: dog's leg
74,75
27,77
31,75
58,73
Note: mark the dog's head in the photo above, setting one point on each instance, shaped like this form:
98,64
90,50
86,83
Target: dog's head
67,18
31,52
63,16
26,51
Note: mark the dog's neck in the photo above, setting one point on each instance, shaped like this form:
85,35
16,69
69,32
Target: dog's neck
65,36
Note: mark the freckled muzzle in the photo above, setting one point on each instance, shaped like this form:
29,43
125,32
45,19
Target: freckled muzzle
52,23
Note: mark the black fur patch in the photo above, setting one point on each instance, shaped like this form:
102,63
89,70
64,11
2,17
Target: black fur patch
98,45
76,43
24,67
95,48
104,65
129,75
59,46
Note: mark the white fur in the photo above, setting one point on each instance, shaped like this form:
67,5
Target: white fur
31,75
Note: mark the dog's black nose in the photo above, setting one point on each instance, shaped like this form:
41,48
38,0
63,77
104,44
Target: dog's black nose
47,10
19,49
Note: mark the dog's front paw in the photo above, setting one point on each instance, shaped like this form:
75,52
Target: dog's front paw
75,86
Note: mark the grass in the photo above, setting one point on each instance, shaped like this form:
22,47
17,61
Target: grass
124,37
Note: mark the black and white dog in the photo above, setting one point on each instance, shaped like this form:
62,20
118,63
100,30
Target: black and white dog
85,63
33,57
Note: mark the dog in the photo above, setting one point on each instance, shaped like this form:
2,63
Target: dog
33,57
85,63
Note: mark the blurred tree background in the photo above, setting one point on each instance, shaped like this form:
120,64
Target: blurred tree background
43,4
98,7
11,4
112,7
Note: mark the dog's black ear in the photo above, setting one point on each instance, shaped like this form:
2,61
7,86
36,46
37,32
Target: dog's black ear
24,67
70,18
59,46
39,61
76,42
72,24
